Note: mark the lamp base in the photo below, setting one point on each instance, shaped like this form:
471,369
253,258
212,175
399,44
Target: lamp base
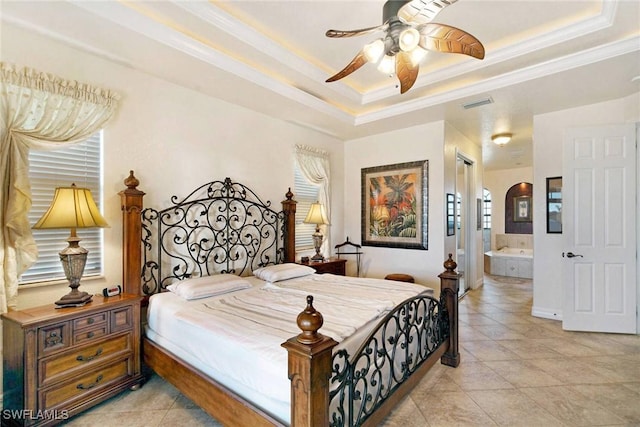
317,244
74,299
73,259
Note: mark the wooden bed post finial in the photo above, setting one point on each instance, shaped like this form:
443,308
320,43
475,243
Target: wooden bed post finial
449,285
310,320
310,356
131,205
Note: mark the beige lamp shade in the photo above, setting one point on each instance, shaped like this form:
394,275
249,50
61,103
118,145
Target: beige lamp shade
317,214
72,207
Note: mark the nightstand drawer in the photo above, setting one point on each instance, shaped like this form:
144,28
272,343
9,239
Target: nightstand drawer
58,367
84,385
55,337
88,335
121,319
90,321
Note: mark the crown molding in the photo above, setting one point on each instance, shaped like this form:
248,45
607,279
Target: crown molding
69,41
568,62
587,26
119,13
213,15
124,16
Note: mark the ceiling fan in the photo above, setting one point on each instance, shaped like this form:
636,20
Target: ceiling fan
409,33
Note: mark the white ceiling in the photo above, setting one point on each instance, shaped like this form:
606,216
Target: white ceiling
272,56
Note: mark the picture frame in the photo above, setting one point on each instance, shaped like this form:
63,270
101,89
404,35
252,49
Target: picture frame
554,205
522,209
395,205
451,214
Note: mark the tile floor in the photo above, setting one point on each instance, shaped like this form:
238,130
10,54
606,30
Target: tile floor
516,370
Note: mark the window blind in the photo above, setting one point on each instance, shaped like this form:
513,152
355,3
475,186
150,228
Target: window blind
305,194
80,164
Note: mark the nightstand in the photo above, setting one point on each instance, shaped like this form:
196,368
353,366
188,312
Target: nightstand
61,361
331,265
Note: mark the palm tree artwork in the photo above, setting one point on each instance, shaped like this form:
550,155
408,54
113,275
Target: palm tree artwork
392,205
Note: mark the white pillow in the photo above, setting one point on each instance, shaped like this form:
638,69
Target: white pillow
274,273
208,286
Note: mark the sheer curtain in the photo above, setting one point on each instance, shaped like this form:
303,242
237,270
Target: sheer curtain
37,111
314,165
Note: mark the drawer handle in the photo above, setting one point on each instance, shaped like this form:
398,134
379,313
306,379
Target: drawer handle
91,320
90,335
81,358
89,386
53,339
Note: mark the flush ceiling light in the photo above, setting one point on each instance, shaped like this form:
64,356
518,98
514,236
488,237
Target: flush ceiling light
501,138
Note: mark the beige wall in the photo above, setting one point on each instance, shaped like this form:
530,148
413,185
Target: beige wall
174,139
436,142
498,183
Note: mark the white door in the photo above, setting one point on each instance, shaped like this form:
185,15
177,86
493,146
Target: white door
599,229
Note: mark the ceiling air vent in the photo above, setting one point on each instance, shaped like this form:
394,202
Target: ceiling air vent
478,103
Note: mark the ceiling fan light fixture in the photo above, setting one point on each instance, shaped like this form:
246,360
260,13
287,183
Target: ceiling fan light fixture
409,39
374,51
387,65
417,55
501,138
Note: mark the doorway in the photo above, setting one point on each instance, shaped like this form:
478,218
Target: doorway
464,218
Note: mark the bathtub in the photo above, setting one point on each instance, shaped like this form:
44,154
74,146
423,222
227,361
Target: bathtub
512,262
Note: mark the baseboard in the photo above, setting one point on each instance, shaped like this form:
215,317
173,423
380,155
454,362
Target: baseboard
546,313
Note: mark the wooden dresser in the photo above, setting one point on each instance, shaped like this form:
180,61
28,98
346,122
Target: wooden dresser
59,362
331,265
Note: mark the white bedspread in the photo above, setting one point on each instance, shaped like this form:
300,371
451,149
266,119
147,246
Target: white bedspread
236,338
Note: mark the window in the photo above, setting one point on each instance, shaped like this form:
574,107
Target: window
486,214
305,194
80,164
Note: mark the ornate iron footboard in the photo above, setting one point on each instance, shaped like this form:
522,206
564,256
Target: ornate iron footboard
221,227
403,340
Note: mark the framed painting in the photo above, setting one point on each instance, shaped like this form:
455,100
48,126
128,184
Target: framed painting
451,215
522,209
554,205
394,205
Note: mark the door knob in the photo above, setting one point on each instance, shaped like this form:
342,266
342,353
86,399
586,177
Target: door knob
572,255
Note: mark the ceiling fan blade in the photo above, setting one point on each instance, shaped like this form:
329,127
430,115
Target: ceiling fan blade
444,38
422,11
406,70
353,33
355,63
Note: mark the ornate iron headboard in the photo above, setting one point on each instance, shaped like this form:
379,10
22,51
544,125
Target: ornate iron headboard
221,227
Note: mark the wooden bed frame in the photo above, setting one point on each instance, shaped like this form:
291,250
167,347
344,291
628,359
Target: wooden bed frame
310,353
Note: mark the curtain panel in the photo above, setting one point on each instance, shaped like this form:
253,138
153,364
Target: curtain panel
314,165
37,111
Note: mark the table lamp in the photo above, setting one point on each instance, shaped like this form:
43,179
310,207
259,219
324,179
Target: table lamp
72,207
317,215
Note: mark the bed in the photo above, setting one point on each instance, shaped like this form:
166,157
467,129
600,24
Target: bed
255,339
